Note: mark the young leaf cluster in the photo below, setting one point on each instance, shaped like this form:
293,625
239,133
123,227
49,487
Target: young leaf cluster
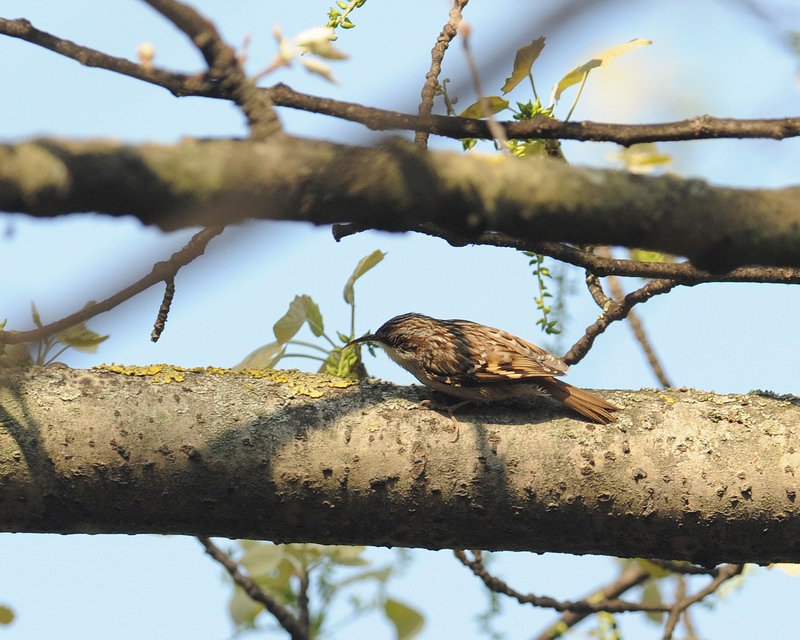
523,68
334,360
341,17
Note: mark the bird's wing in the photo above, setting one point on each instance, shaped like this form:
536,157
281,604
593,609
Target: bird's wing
504,357
481,355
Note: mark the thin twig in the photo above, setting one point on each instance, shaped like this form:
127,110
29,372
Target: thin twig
724,574
637,326
596,290
449,32
580,606
631,577
282,614
615,311
497,132
162,272
699,128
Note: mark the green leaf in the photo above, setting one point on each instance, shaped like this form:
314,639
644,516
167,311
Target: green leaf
314,317
6,615
651,595
262,559
243,609
365,264
80,337
37,320
643,255
573,77
301,309
265,357
407,622
576,75
14,356
643,158
485,107
381,575
523,62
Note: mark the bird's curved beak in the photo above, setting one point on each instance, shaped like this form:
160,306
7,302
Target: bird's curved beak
367,338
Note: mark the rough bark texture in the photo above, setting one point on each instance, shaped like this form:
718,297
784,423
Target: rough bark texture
683,474
397,188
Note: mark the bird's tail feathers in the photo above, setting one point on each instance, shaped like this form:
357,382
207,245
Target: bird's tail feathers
584,402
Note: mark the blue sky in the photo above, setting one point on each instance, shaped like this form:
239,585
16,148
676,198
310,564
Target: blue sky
718,337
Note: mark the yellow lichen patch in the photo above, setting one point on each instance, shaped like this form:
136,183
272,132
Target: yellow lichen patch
165,373
304,384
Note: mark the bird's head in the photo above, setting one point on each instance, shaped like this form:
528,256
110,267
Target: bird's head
402,333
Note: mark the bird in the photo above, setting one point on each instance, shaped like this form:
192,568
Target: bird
476,363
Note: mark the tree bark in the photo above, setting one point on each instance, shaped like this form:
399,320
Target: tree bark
286,456
396,188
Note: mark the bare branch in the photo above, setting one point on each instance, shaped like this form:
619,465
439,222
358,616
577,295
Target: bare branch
177,84
724,574
631,577
637,326
700,128
613,312
161,272
585,607
449,32
282,614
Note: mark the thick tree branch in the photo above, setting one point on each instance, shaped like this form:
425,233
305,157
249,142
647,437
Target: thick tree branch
395,187
682,474
699,128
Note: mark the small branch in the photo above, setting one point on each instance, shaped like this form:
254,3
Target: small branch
580,606
615,311
162,272
163,312
637,326
449,32
685,568
596,291
631,577
724,574
177,84
282,614
682,272
302,603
